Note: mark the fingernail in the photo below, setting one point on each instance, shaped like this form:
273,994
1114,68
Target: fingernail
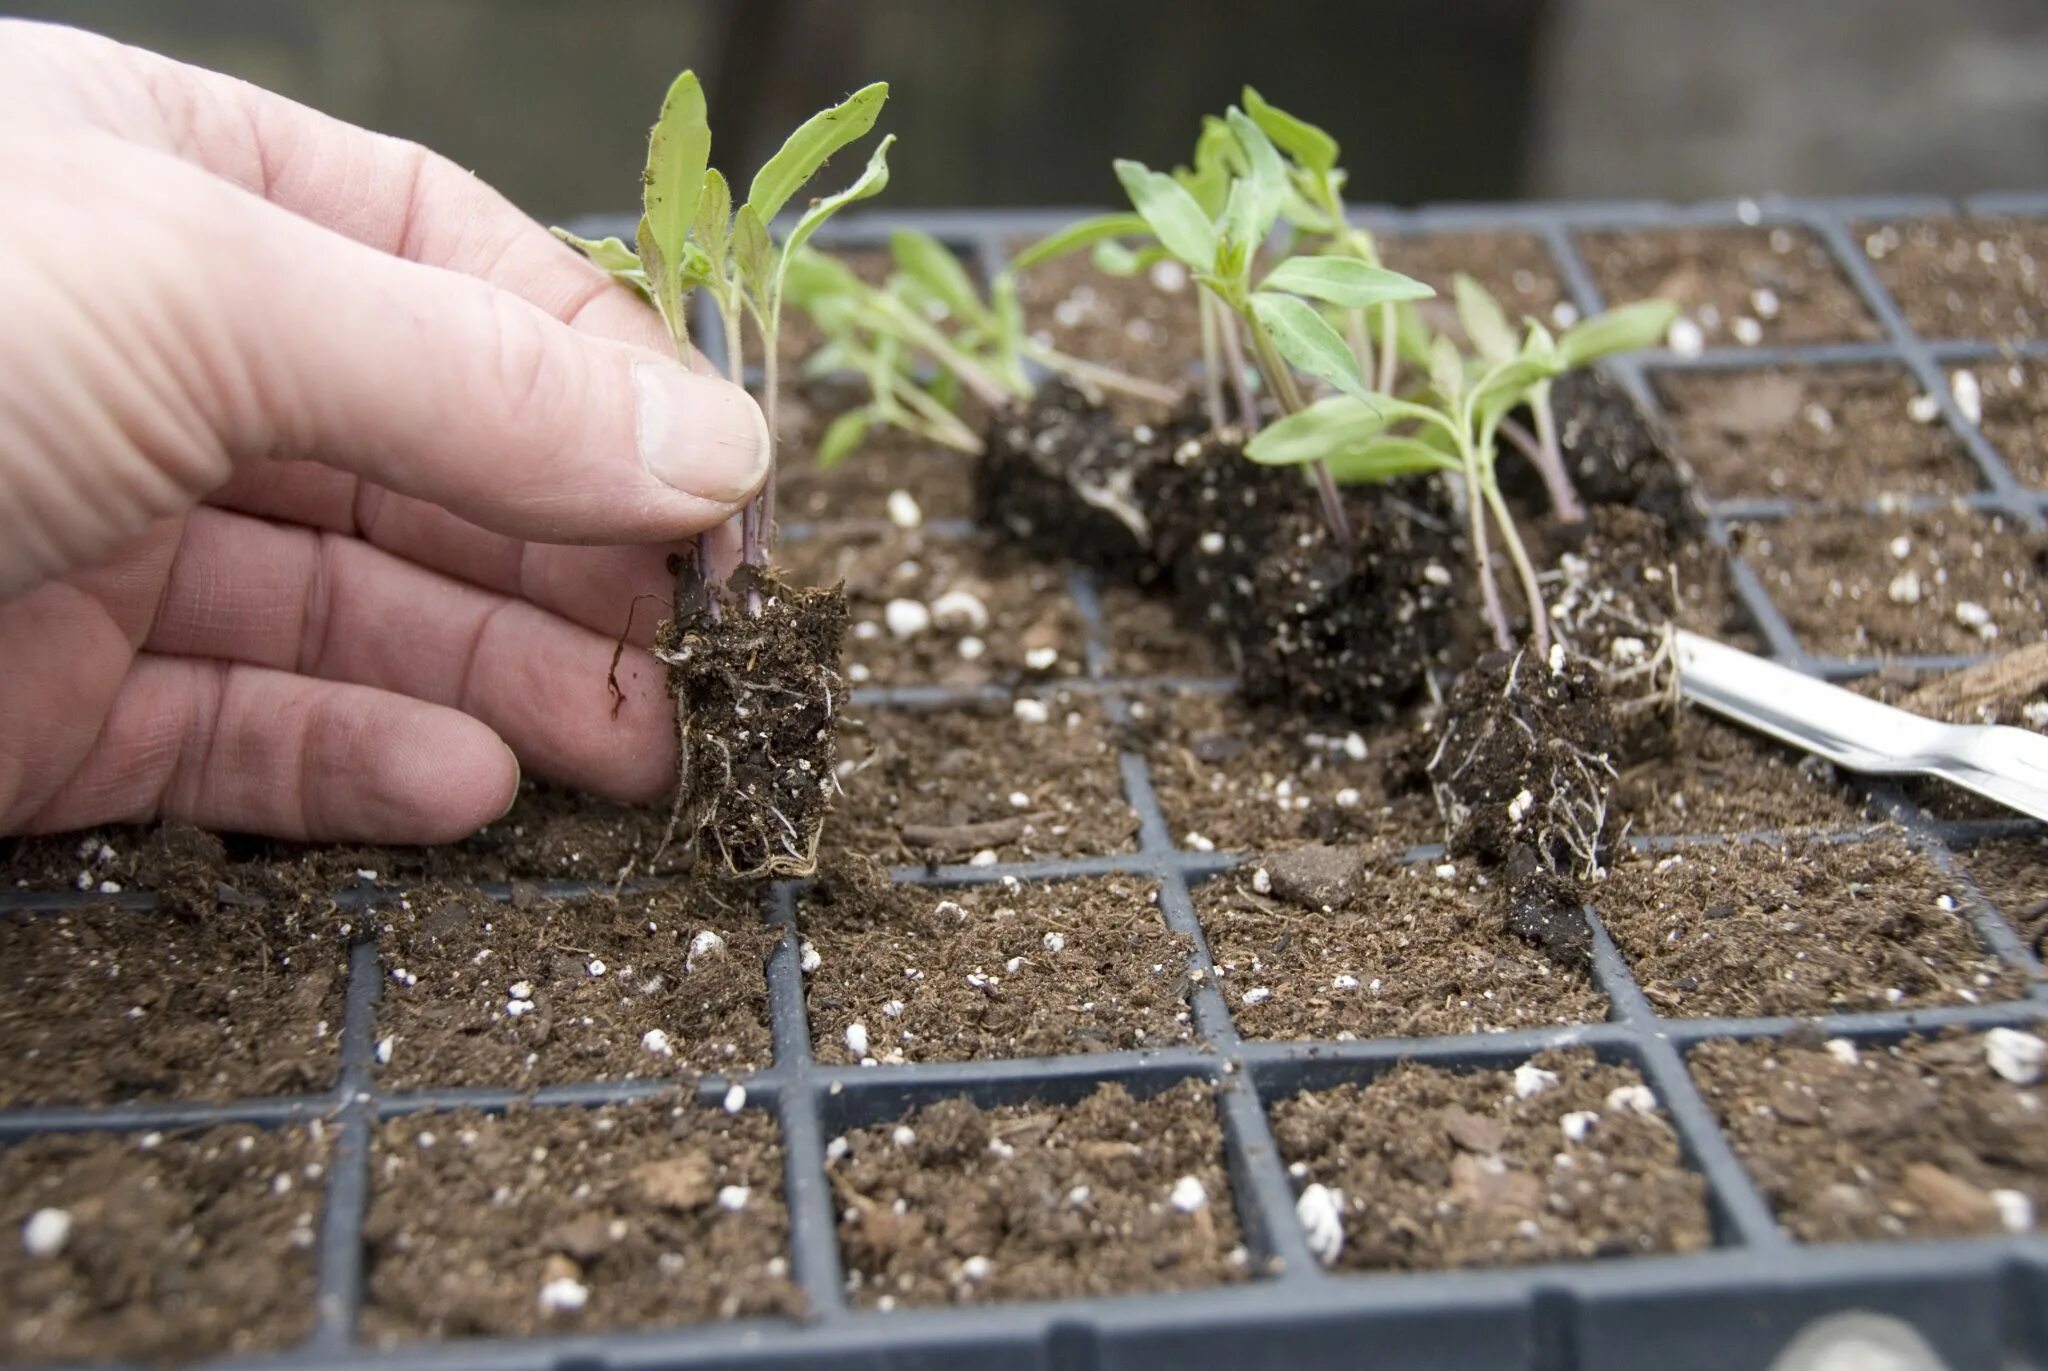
699,434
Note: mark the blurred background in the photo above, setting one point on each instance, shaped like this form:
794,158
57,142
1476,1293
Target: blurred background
1025,103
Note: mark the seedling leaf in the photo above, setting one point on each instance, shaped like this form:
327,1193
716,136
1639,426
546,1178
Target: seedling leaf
1346,281
678,151
1175,218
714,218
1331,425
1306,341
928,262
1486,323
752,251
606,254
1085,234
1385,458
1114,259
815,140
843,435
1621,329
1209,180
1298,138
872,180
1253,206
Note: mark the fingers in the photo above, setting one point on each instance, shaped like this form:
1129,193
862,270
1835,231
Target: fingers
238,747
295,600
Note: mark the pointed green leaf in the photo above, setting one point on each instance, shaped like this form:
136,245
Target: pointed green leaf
843,435
714,217
1209,179
815,140
1622,329
872,180
1506,385
607,254
1114,259
1486,323
1317,434
753,253
1298,138
678,150
1412,336
1385,458
1446,371
1308,343
932,265
1085,234
1343,281
1175,218
1254,203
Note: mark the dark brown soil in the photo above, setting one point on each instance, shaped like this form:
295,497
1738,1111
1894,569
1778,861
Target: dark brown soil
1861,1142
962,1205
947,785
1515,267
1749,930
2016,417
1429,1168
1783,280
100,1005
1409,954
1131,323
473,1216
939,479
758,694
598,974
1717,778
179,1248
1146,638
1965,278
1236,778
1022,603
2013,874
1848,592
1614,450
1034,970
1060,478
1838,436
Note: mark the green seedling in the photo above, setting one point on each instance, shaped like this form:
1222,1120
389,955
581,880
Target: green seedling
1455,431
691,237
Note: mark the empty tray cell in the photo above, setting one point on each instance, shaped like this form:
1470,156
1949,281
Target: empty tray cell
1737,286
1516,269
1842,436
1147,638
2014,404
1943,583
957,1204
99,1005
1965,278
938,480
148,1247
2012,873
1562,1158
943,611
552,1220
1716,778
597,988
1339,947
952,785
1932,1137
918,974
1752,929
1146,325
1234,778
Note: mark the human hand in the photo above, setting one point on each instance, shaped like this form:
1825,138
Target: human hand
297,424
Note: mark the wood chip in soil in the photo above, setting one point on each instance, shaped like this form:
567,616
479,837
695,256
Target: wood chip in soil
557,1220
1147,325
1716,778
1781,281
1840,436
970,612
888,460
918,974
1516,268
1965,278
1752,930
1146,638
940,786
1563,1159
2010,688
2013,875
175,1247
1944,583
1409,954
1863,1141
101,1005
595,976
1235,779
956,1204
2015,400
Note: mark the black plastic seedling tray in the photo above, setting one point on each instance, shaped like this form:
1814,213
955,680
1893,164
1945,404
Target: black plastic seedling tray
1979,1303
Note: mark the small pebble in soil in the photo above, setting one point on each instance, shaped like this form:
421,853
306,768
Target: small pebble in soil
903,510
1532,1080
733,1198
960,611
735,1099
384,1046
1923,409
1969,394
2014,1055
1578,1124
906,618
564,1295
857,1039
703,945
1030,711
656,1041
2015,1210
1321,1212
1632,1099
1685,338
1189,1195
808,959
46,1233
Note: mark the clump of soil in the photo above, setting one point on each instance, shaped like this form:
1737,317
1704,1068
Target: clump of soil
758,691
2013,874
908,973
1753,929
1147,326
1322,628
541,992
1563,1159
1861,1141
100,1005
968,612
2015,400
936,786
1237,778
1146,638
1841,436
553,1220
1060,478
174,1249
1110,1196
889,460
1714,778
1516,268
1401,952
1741,286
1944,582
1615,452
1965,278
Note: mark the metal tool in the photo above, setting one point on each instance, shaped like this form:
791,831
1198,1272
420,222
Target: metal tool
2009,765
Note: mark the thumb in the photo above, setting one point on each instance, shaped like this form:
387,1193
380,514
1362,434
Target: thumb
236,331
